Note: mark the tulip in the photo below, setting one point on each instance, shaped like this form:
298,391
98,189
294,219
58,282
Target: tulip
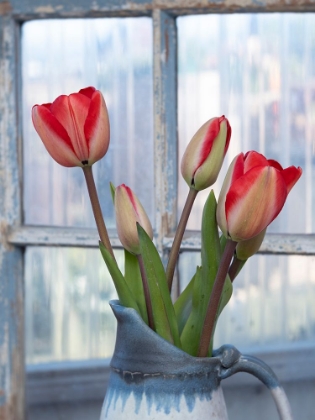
253,193
204,154
129,212
74,128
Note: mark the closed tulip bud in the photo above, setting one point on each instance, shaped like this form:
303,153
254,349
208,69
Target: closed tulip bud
129,212
74,128
248,248
204,154
253,194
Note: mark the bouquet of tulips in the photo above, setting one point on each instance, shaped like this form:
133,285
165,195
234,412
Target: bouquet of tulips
75,131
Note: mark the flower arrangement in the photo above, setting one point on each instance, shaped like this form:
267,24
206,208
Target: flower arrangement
75,131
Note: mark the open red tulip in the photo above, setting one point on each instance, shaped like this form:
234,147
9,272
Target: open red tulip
74,128
253,193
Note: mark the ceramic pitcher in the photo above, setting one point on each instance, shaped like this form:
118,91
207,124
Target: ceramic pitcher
152,379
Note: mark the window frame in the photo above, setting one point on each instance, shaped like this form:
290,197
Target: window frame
15,236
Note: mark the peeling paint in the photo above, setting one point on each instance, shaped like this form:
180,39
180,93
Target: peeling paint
166,42
42,10
97,8
11,273
165,122
5,8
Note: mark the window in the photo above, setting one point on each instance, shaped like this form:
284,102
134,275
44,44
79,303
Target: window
257,69
148,60
114,54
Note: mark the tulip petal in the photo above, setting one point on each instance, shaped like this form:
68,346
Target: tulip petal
129,211
71,111
228,135
235,171
238,168
210,136
206,174
248,211
88,91
79,108
253,159
126,221
191,157
275,164
291,175
96,128
54,136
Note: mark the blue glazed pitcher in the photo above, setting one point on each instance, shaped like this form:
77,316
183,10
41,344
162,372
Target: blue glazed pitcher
151,379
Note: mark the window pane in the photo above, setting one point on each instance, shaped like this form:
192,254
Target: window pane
61,57
272,304
67,312
258,70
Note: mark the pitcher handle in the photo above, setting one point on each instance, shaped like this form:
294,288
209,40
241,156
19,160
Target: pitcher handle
232,361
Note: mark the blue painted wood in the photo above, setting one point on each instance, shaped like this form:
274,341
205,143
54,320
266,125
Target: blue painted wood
165,122
11,273
29,9
57,8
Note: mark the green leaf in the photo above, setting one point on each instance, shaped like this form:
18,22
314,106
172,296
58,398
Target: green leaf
183,305
112,191
191,333
134,281
163,310
210,243
124,293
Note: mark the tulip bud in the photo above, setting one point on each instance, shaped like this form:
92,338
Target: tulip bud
74,128
248,248
253,194
129,211
204,154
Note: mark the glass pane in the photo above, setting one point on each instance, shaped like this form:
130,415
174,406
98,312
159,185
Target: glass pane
272,304
259,71
67,312
61,57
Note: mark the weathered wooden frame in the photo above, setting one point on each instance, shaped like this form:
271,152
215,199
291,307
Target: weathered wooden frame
15,236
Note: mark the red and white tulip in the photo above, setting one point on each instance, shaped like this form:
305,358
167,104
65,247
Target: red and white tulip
74,128
129,212
253,193
203,157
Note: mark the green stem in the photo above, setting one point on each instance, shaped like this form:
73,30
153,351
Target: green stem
170,269
213,305
97,211
146,292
